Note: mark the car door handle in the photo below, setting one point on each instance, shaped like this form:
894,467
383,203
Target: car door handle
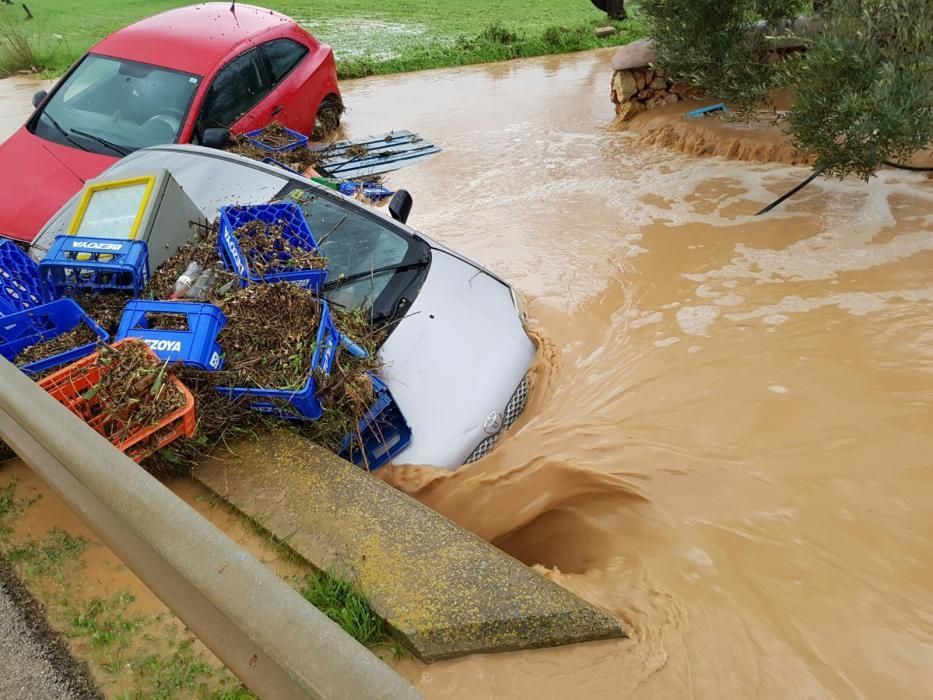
278,109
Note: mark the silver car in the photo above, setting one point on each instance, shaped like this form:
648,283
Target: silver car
457,356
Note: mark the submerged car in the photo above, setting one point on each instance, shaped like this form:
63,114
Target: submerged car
189,75
456,356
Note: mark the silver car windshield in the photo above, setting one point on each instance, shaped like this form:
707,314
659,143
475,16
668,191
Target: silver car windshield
113,106
371,264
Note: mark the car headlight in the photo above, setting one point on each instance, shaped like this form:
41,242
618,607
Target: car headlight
519,304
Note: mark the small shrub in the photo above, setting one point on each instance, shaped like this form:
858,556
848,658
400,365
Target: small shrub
553,37
16,53
709,44
865,88
498,34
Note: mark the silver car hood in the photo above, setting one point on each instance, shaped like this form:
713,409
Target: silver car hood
458,356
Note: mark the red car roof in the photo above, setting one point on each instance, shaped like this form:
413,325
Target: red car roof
199,38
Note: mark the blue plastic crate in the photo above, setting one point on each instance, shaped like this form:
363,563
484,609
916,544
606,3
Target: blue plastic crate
42,323
19,280
370,190
381,434
236,254
197,346
81,263
301,404
300,140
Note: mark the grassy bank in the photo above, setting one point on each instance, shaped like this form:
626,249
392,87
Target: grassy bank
367,39
135,648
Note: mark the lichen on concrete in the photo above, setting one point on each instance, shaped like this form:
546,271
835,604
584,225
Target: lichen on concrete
443,591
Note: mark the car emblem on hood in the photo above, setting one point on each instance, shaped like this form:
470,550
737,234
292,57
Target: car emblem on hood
493,423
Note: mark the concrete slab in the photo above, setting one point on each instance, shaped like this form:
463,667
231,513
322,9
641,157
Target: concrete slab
444,591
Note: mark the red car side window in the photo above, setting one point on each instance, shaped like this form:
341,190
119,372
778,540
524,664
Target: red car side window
282,55
236,89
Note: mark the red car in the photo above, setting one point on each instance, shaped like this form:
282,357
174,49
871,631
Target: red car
190,75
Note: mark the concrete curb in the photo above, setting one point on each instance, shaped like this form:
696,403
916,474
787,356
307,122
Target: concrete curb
444,591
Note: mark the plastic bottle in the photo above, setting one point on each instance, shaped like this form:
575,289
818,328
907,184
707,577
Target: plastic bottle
225,290
352,347
201,288
186,279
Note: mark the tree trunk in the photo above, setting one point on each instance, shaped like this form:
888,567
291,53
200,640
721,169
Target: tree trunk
614,8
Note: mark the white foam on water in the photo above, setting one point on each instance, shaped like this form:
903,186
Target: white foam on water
666,342
856,303
854,213
729,300
647,318
704,291
696,320
700,558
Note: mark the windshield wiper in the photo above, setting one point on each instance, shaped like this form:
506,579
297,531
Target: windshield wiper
122,150
401,267
63,132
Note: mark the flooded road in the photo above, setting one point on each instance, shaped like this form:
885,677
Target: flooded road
730,442
730,445
16,101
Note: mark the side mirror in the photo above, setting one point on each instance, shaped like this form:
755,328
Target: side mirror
400,206
215,138
38,97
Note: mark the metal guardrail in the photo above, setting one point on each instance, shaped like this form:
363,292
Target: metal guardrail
276,643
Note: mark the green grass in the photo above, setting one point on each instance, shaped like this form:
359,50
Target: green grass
10,509
343,603
45,558
162,667
166,676
368,38
105,623
337,598
8,504
157,659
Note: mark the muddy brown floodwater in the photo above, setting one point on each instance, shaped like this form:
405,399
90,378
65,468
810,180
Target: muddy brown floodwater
730,442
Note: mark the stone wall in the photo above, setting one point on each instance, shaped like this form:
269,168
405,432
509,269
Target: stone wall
635,90
638,86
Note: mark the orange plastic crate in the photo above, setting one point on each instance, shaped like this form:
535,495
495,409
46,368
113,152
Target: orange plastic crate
69,384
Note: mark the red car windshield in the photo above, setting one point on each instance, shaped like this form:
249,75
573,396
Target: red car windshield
114,106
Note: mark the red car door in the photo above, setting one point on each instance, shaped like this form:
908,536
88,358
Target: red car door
282,80
301,78
239,96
